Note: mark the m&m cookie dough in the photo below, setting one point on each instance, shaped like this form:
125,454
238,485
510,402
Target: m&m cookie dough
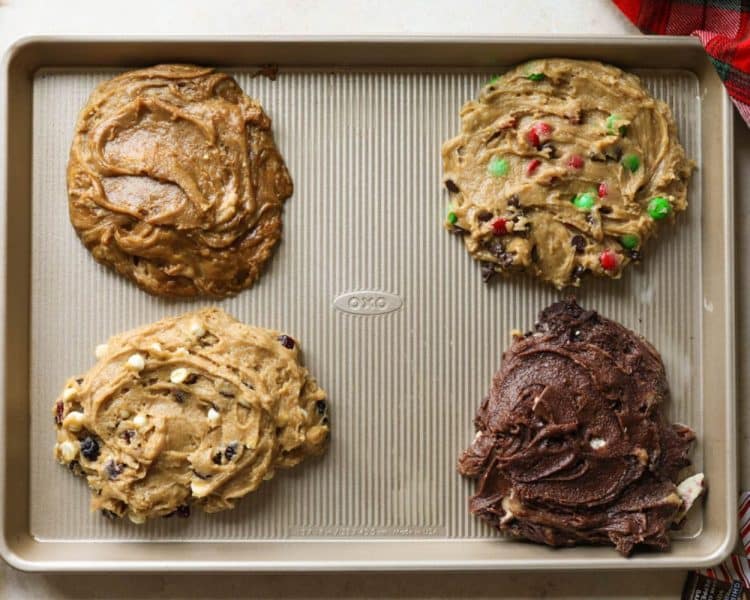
563,168
193,411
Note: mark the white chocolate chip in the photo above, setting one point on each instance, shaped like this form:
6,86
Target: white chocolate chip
68,393
508,516
155,347
139,420
597,443
213,417
101,350
68,451
136,361
73,421
689,490
178,375
197,329
136,518
199,488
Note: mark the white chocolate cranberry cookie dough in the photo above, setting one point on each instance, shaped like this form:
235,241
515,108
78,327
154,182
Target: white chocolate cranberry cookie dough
196,410
563,168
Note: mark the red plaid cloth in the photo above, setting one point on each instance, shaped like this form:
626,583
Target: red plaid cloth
722,26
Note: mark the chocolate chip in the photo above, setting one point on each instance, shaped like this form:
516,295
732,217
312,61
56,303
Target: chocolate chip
79,380
90,448
551,150
108,514
179,396
286,341
635,255
59,409
578,272
488,271
451,185
579,243
495,247
514,201
113,469
230,451
183,511
321,407
614,153
216,458
484,216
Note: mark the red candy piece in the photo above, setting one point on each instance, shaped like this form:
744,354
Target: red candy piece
499,226
533,166
539,133
542,129
603,189
608,260
575,161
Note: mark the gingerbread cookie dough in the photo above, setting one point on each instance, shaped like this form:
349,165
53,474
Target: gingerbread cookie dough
196,410
572,446
174,181
563,168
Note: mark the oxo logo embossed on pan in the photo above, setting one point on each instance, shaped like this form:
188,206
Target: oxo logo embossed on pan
367,302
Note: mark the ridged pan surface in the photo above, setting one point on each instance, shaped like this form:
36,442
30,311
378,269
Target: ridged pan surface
363,148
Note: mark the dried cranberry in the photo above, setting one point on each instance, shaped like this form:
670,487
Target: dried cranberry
59,409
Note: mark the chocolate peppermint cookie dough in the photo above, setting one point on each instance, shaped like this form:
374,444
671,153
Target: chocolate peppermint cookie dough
562,168
174,181
196,410
571,444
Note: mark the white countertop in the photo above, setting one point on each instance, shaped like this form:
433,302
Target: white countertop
289,17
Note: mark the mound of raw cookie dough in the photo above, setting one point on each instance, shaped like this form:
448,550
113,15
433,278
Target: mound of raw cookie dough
571,444
196,410
563,168
174,181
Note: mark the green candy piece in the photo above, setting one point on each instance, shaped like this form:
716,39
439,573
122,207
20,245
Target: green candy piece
659,207
452,218
494,79
629,241
631,162
585,201
535,76
498,167
611,122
